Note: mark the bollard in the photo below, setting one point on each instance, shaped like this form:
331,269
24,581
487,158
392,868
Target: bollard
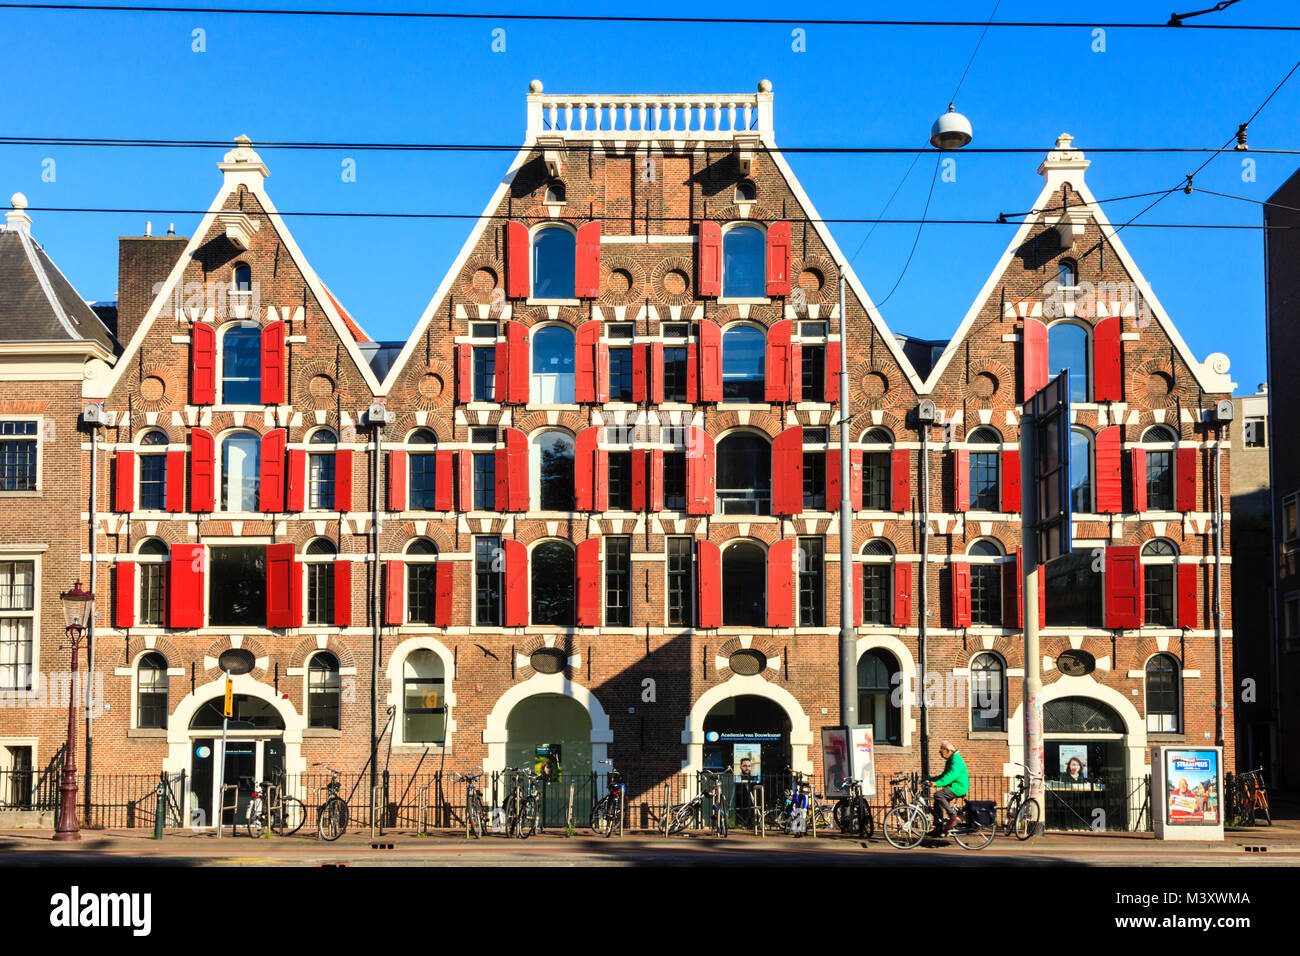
158,816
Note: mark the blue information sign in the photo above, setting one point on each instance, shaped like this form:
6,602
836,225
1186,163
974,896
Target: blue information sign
1048,414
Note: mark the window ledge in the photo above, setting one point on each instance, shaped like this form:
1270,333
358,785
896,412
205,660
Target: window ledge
743,406
532,301
420,748
1168,736
239,408
538,407
987,735
321,732
154,732
759,300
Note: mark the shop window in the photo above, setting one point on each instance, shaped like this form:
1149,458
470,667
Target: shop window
554,469
988,693
553,583
878,678
985,452
319,559
877,583
744,266
151,692
744,361
744,478
553,263
1164,700
153,471
240,462
422,460
985,583
744,585
812,582
553,375
320,470
241,366
237,586
488,574
421,582
618,581
424,707
1159,566
681,592
324,691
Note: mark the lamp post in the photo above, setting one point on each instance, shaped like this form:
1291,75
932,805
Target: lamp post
76,607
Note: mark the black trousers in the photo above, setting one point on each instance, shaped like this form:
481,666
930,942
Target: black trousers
943,798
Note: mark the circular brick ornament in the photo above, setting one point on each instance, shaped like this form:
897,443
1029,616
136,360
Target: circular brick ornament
153,388
747,662
672,280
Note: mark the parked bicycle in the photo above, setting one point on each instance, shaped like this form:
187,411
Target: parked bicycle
287,814
852,812
523,805
678,817
607,814
800,809
332,816
908,824
1024,814
1251,798
475,811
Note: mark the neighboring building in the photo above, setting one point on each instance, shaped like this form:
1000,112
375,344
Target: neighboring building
604,525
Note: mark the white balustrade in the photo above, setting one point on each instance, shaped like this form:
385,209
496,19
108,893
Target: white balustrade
702,117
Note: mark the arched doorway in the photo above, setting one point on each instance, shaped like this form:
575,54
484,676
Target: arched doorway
751,735
551,733
253,751
1084,765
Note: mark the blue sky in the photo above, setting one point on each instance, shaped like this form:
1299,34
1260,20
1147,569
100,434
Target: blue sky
366,80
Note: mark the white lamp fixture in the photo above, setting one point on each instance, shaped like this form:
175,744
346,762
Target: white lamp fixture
950,131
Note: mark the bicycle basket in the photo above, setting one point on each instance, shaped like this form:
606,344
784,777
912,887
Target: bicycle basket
982,812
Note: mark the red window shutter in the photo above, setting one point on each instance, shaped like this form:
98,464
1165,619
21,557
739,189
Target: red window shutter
270,483
584,464
516,583
796,372
501,373
858,576
1012,586
124,594
640,360
900,474
787,472
1011,481
961,471
960,594
175,481
831,380
655,501
1107,457
295,480
902,594
280,582
602,373
185,586
699,472
202,464
710,385
708,577
343,479
501,491
639,476
778,372
444,471
1107,361
124,481
517,462
833,479
778,259
600,481
273,364
708,260
203,364
465,373
855,480
692,373
443,582
342,593
516,390
1188,608
586,347
1033,351
397,481
656,373
1124,599
587,599
394,592
1138,472
586,266
465,471
1185,479
517,280
780,584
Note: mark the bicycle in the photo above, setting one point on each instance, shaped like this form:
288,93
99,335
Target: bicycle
1252,799
908,824
287,814
607,814
523,807
332,817
853,812
799,800
475,811
676,818
1023,812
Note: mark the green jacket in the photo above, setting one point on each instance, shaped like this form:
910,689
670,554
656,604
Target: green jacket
954,776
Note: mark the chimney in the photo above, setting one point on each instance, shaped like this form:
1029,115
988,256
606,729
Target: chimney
143,262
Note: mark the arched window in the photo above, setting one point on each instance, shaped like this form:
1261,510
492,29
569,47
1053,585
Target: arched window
744,266
1067,347
1160,467
1164,696
241,366
877,582
877,462
241,291
240,465
555,191
553,466
424,704
421,581
153,471
152,558
243,278
746,191
1159,562
985,583
743,364
319,560
744,585
151,692
1081,471
553,263
553,382
876,685
423,446
553,583
324,686
744,479
985,451
1067,273
320,470
988,693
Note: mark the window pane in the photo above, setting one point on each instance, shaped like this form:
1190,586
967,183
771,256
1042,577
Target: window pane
1067,347
323,692
744,586
152,578
241,366
620,375
151,702
320,593
744,273
553,366
320,482
1158,581
485,481
675,480
744,476
15,653
875,481
555,471
485,371
675,375
876,594
986,594
620,481
153,477
237,587
984,482
618,555
17,583
553,263
1073,589
422,488
812,583
1080,473
239,471
986,694
680,592
1160,480
553,583
743,359
487,580
813,360
17,457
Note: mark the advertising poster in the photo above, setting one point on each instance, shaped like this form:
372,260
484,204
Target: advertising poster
747,762
1192,787
863,759
1073,763
547,762
835,759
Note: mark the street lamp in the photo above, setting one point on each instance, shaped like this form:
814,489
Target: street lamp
76,609
950,131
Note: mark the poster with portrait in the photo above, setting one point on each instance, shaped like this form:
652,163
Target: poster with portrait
747,762
1192,787
546,763
1073,760
835,760
862,759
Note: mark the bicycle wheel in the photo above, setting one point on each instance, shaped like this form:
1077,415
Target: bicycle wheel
510,810
601,817
332,819
842,816
720,819
474,811
528,817
1261,807
866,822
1027,819
775,819
973,836
905,827
615,817
254,818
290,818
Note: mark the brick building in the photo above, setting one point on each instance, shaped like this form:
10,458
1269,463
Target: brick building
596,518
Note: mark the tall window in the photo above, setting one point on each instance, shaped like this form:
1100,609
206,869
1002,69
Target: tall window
241,366
1080,471
877,582
876,686
485,373
319,559
422,457
1164,701
743,364
237,586
553,583
744,481
424,704
812,582
681,603
812,357
485,481
675,373
618,581
243,279
620,481
674,481
324,691
744,266
153,471
1067,347
151,692
153,577
1073,590
988,693
1159,560
320,470
1067,273
985,584
240,455
984,453
814,481
744,585
488,572
1160,468
421,581
554,469
620,374
876,462
17,618
17,455
553,351
553,263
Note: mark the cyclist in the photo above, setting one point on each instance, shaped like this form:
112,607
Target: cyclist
953,782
